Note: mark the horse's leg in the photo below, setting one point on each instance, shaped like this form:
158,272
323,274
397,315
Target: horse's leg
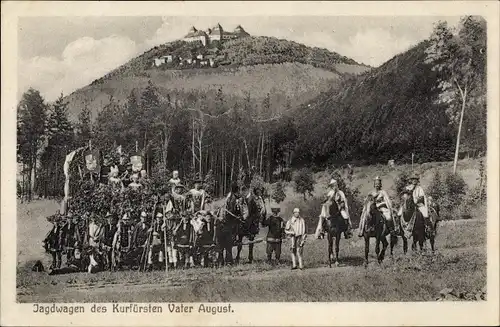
432,243
384,248
250,248
337,243
405,244
367,248
377,243
330,249
240,246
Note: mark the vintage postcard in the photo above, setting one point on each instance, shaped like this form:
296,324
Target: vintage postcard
250,163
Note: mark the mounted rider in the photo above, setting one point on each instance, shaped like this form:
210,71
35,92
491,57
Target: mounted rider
415,192
384,205
334,195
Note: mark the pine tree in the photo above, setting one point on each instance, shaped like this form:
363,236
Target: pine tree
31,131
84,126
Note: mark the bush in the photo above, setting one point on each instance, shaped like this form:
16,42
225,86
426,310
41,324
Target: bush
401,182
304,183
449,192
278,192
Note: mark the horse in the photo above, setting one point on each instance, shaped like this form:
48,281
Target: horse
233,225
334,225
414,224
375,226
248,226
394,239
224,241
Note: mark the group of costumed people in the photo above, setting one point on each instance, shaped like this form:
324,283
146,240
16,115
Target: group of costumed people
424,204
177,228
164,228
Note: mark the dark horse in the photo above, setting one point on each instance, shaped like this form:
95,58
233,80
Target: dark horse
375,226
334,225
415,225
232,228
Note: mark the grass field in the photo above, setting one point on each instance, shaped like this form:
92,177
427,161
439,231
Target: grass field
459,263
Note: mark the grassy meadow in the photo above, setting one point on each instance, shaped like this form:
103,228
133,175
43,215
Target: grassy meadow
459,263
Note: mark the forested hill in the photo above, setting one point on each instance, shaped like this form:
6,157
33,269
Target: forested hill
249,67
386,113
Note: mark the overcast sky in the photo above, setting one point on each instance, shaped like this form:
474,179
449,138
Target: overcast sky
59,54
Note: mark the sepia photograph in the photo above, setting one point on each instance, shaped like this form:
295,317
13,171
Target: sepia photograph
185,163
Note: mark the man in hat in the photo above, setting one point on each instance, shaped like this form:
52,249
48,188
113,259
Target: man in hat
54,241
105,170
156,254
384,205
337,197
70,236
110,229
274,234
183,235
296,229
122,242
140,236
197,197
205,238
419,197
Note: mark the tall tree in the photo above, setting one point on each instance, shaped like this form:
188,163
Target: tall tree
31,129
84,126
60,138
460,58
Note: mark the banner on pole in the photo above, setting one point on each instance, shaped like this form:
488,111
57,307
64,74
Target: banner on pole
92,160
136,162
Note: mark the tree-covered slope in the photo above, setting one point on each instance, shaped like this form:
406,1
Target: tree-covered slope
386,113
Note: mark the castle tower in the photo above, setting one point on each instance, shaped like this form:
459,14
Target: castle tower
216,33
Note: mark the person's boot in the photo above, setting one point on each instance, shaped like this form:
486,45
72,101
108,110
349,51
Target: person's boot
301,266
294,262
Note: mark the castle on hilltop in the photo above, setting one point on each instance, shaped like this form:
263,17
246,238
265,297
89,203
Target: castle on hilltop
216,33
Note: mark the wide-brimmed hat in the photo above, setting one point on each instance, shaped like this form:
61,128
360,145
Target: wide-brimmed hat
126,217
332,181
414,176
296,210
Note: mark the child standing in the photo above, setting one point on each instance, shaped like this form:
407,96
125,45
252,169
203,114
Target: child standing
296,229
274,234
